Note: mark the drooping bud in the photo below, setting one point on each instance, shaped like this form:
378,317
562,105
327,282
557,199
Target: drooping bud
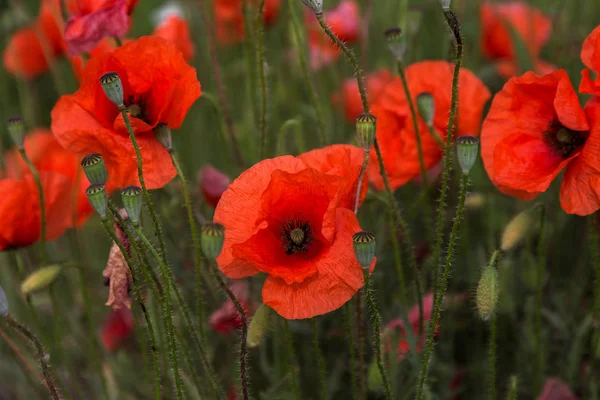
132,201
315,5
366,127
364,248
395,42
163,135
94,169
16,129
519,228
211,240
486,296
426,107
96,195
467,149
40,279
259,325
113,88
445,4
3,303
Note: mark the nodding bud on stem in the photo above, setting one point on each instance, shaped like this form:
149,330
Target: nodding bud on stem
486,297
426,107
211,240
519,228
395,42
95,169
40,279
315,5
3,303
163,135
96,195
366,126
113,88
132,201
259,326
445,4
364,248
16,130
467,148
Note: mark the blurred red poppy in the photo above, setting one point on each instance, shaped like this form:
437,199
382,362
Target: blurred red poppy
590,55
159,87
117,328
348,98
556,389
226,319
176,29
229,19
395,131
212,183
413,318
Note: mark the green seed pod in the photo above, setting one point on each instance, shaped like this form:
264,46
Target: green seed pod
395,42
259,325
94,169
113,88
163,135
467,149
315,5
16,129
40,279
211,240
96,195
519,228
364,248
374,380
132,201
3,303
426,107
487,293
366,126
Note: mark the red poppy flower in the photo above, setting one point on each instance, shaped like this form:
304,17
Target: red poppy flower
349,96
536,128
117,328
395,131
93,20
509,68
556,389
285,219
212,183
590,55
159,87
229,19
175,29
413,318
20,209
226,319
344,21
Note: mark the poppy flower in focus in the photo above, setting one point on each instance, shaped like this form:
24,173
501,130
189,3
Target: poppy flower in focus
159,87
226,319
395,131
285,219
535,129
92,20
117,328
229,19
344,21
348,98
176,29
20,209
590,56
556,389
212,183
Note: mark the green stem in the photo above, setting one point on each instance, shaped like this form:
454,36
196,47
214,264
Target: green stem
372,306
492,359
398,262
38,183
363,169
294,122
320,359
441,289
17,327
260,62
593,243
292,359
512,391
435,135
539,302
351,350
359,346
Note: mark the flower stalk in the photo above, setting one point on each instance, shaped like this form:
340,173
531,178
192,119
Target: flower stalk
320,359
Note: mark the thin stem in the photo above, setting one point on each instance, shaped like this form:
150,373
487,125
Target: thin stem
359,346
435,135
292,359
260,63
492,359
17,327
372,306
320,359
363,169
539,302
244,333
351,350
593,243
512,391
441,290
38,183
398,261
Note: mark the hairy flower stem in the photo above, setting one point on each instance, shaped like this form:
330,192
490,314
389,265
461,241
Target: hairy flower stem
292,359
539,302
361,176
441,289
38,183
320,359
17,327
359,346
197,249
351,350
308,81
372,306
492,359
260,64
140,168
243,337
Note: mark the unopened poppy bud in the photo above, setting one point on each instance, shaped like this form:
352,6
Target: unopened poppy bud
94,169
395,42
366,126
3,303
40,279
426,107
113,88
364,248
163,135
96,195
519,228
445,4
16,129
467,148
315,5
132,201
211,240
259,325
487,293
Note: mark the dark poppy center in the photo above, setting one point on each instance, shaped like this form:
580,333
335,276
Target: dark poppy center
296,236
563,140
136,108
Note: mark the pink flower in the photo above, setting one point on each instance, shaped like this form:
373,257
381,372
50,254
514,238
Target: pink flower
556,389
212,183
226,319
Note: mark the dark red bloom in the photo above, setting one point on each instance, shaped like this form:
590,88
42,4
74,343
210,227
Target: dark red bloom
226,319
176,30
348,98
117,328
212,183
